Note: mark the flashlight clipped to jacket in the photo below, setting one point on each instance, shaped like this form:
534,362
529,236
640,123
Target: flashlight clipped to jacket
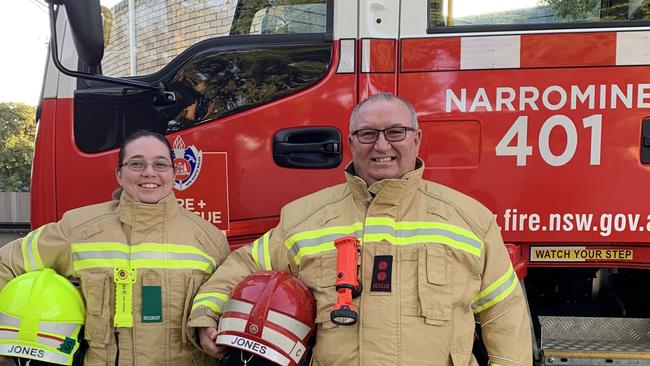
347,282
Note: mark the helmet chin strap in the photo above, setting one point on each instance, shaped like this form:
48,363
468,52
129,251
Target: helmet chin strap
28,362
241,357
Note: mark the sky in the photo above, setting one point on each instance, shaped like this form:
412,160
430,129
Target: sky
24,34
466,7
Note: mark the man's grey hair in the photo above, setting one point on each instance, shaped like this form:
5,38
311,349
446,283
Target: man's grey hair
385,97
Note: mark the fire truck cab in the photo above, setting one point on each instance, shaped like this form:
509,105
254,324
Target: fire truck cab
540,109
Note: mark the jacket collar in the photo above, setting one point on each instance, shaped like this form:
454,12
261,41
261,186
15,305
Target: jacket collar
386,191
134,212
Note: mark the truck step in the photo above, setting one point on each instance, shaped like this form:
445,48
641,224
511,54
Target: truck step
581,341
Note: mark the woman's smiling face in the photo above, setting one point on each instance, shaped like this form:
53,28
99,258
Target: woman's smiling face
156,180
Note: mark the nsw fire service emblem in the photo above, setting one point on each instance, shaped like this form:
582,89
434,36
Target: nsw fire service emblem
187,164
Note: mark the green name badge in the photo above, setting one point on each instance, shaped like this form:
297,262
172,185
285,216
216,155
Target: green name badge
151,304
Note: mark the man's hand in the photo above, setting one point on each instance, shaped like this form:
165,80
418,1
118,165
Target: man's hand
208,339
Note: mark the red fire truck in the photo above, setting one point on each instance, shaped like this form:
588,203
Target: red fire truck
540,109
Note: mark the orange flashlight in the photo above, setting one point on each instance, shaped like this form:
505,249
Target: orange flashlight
347,282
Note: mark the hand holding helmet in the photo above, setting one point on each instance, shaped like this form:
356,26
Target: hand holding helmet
268,320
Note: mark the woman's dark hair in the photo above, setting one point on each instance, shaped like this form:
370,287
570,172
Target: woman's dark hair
143,133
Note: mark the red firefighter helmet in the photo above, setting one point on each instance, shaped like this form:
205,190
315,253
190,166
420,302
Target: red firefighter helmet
270,315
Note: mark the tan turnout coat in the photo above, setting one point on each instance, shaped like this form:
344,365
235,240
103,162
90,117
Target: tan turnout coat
170,248
450,269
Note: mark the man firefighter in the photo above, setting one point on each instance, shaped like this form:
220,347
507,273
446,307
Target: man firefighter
427,261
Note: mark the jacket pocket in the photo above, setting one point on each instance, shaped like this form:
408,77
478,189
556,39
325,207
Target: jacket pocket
96,289
319,274
434,287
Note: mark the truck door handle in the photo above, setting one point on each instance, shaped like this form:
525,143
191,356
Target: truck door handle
645,141
308,147
327,147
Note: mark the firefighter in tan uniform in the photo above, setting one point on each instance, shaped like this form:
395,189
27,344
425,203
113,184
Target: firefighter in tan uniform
139,258
432,261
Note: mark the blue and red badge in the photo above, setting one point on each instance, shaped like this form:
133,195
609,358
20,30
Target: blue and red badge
187,163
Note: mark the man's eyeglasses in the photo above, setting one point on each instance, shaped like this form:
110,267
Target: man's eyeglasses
138,166
391,134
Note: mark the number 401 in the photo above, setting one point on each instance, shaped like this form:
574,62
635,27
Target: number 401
519,131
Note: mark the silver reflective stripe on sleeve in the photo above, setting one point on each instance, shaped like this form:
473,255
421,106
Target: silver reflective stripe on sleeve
261,254
29,247
28,243
212,300
496,292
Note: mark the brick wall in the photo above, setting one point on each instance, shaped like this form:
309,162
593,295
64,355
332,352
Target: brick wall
164,29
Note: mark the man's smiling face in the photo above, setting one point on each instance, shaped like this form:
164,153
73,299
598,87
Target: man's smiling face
384,159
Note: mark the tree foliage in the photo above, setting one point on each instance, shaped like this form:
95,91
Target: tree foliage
17,130
571,10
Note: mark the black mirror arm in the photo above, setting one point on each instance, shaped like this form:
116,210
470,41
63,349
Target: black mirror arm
55,58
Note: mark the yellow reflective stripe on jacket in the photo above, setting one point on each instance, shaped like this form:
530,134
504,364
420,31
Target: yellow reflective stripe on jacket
31,257
321,240
384,228
412,232
212,300
261,254
148,255
496,292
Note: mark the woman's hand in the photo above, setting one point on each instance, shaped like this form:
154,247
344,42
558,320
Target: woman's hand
208,339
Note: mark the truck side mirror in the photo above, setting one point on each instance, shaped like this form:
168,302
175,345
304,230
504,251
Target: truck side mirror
84,17
86,24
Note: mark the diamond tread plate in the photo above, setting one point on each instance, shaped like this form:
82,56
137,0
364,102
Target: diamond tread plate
579,335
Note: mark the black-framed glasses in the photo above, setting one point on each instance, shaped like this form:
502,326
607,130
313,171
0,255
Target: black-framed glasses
391,134
138,166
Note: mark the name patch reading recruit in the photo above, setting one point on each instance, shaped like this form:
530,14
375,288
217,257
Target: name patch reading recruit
382,273
151,304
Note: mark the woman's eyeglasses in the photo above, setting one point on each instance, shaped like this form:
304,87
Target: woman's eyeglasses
138,166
